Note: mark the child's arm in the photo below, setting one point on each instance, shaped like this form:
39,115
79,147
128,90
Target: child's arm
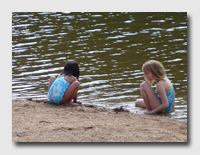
163,97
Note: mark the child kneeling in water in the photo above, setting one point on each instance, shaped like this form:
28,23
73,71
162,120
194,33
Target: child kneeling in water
64,88
163,101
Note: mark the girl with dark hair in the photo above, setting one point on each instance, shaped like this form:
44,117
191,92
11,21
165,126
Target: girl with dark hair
64,88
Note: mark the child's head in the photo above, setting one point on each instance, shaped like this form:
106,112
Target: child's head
155,68
71,68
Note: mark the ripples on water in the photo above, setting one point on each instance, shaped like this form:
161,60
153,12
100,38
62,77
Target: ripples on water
110,49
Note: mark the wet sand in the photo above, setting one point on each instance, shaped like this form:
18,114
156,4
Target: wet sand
41,121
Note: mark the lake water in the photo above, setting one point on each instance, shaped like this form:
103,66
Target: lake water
110,49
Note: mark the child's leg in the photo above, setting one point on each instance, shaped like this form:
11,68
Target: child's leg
150,99
75,99
51,80
71,93
140,103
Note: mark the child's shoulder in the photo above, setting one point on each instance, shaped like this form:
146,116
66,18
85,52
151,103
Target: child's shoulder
70,78
164,84
161,83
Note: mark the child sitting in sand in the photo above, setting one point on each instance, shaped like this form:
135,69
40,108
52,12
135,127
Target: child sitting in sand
64,88
163,101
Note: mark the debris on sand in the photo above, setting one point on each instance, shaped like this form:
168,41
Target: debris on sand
121,109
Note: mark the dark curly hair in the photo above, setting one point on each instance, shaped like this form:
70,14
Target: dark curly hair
71,68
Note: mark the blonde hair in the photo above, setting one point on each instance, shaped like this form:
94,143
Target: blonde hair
156,68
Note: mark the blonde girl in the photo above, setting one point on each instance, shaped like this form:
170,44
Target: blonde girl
163,99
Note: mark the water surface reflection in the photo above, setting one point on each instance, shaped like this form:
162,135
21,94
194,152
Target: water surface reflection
110,48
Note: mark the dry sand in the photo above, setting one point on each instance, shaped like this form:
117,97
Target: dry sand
41,121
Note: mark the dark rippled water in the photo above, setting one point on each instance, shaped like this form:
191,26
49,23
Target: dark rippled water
110,49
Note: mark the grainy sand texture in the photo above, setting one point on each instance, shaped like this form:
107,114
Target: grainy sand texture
41,121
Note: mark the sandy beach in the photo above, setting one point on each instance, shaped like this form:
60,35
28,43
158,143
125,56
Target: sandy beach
41,121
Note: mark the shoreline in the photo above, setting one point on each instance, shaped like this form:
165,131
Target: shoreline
41,121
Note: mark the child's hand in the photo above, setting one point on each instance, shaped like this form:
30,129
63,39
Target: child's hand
148,112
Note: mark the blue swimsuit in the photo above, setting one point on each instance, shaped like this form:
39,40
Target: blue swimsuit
170,96
57,90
